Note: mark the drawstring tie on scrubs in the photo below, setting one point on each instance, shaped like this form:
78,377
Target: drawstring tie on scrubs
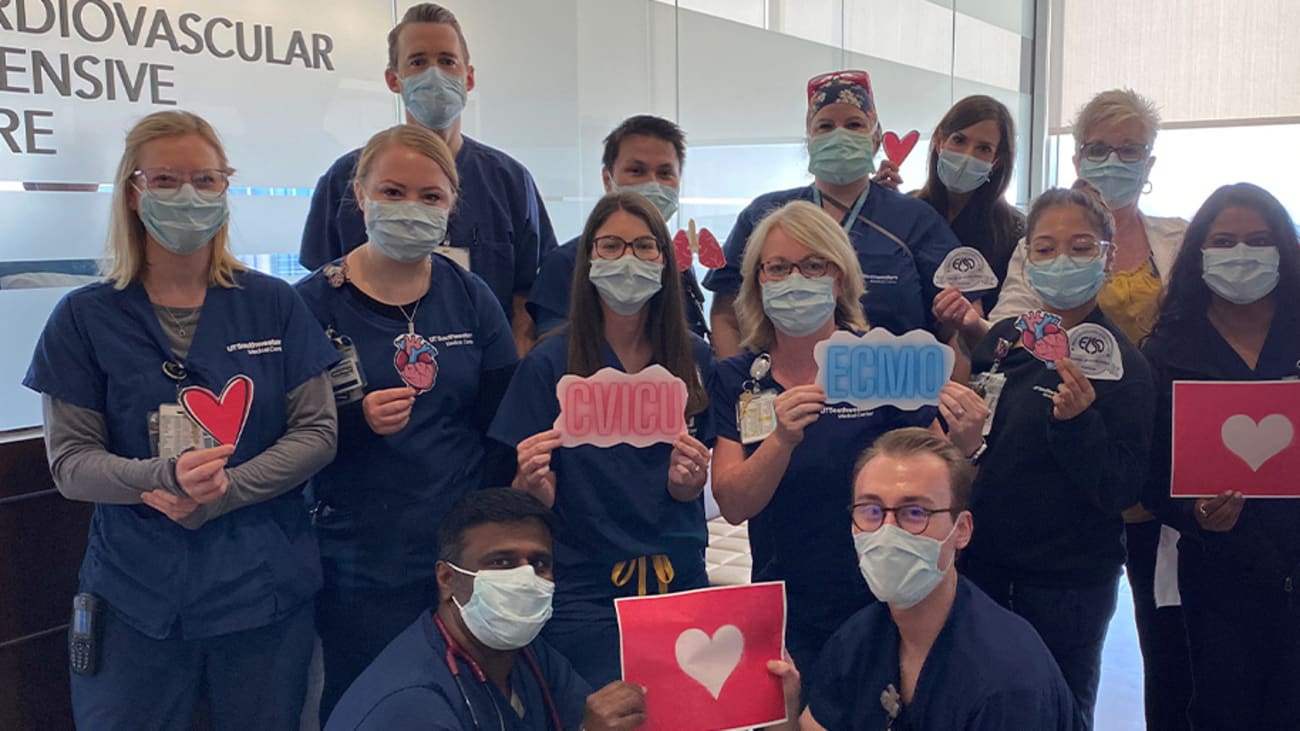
624,570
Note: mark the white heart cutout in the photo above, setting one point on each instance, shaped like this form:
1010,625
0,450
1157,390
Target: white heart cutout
709,661
1257,443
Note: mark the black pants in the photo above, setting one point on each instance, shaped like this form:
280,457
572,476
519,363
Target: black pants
355,625
1245,649
1072,623
1166,668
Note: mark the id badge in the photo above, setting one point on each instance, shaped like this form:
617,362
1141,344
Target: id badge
989,387
458,254
756,415
347,378
175,432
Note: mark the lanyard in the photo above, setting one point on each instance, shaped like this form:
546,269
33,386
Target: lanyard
853,212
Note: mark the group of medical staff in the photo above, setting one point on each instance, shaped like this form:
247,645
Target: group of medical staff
269,463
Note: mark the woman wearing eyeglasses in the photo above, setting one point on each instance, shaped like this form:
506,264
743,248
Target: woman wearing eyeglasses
898,241
784,458
188,398
1232,313
1065,451
428,354
1114,135
631,518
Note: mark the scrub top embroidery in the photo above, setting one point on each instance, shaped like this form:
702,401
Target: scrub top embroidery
400,485
499,218
803,535
899,281
103,349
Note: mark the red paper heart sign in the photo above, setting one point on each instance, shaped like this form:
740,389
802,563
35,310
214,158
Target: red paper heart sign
897,149
224,417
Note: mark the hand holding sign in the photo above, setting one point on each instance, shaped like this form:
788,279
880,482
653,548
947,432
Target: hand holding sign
612,407
388,410
1076,393
1219,514
201,473
966,269
688,467
534,475
952,309
797,408
883,369
703,656
616,707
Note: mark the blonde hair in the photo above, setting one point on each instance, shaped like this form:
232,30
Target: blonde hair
823,236
1117,105
127,240
425,13
413,137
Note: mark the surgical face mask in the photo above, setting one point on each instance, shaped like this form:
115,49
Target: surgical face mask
1241,274
1120,182
841,156
962,173
901,569
626,283
663,196
508,607
1064,283
184,220
797,305
434,97
405,230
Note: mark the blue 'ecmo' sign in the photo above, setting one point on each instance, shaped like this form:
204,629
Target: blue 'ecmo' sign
883,369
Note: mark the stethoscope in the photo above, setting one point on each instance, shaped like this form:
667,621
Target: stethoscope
455,652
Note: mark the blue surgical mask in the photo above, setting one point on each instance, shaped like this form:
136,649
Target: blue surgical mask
662,196
1065,283
841,156
626,283
183,220
405,230
1120,182
434,97
797,305
901,569
962,173
1241,274
508,608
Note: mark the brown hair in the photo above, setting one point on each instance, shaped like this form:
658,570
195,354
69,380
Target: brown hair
665,324
127,240
913,441
1081,194
425,13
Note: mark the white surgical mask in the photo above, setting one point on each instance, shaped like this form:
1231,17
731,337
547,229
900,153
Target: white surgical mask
183,220
508,607
662,196
798,305
626,283
901,569
405,230
1241,274
434,97
962,173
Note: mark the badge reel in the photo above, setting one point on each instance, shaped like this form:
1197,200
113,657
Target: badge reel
989,385
171,431
756,410
346,378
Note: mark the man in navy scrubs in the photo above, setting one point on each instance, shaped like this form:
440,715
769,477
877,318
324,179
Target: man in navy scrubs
474,662
935,652
645,154
499,229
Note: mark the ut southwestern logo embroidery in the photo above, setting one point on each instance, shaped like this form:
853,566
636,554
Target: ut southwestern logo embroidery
257,347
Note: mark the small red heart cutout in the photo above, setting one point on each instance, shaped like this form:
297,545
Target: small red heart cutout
897,149
682,248
223,417
711,255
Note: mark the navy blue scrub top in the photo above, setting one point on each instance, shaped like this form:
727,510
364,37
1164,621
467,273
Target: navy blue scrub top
987,671
804,535
409,687
900,283
612,502
386,494
499,217
103,350
548,301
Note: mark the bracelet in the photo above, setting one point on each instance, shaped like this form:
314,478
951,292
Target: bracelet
974,457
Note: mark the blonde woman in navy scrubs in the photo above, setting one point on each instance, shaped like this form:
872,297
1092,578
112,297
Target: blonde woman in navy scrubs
631,518
436,353
201,557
